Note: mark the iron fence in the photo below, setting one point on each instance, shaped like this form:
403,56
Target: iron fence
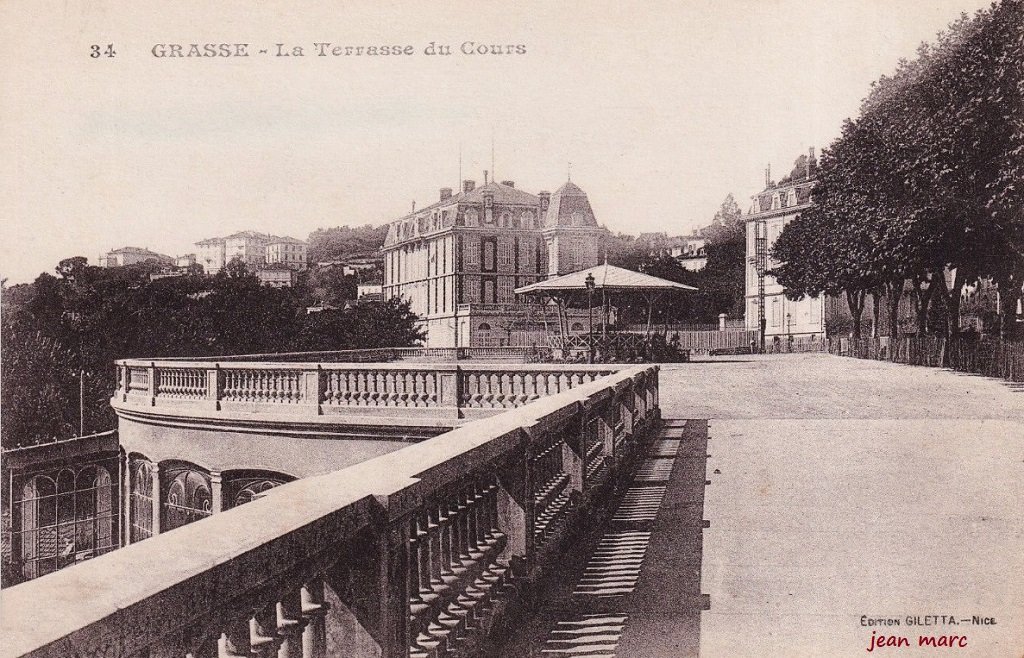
991,357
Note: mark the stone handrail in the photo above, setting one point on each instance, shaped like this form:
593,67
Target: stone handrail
404,555
288,390
382,355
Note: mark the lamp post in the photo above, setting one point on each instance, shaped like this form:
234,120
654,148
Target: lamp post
590,314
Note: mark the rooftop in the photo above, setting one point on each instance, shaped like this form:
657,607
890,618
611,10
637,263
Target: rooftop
606,277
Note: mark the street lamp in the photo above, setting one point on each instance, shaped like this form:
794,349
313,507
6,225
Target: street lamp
590,313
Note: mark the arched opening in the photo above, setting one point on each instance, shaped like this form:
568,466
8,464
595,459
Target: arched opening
140,509
39,526
484,327
245,486
65,520
186,496
576,326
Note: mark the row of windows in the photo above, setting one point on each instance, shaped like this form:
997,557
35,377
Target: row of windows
187,496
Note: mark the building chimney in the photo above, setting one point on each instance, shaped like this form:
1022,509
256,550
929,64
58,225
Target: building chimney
768,176
485,177
508,183
812,164
446,193
414,205
545,199
468,185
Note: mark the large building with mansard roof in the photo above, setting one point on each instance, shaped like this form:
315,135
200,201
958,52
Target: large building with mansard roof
459,260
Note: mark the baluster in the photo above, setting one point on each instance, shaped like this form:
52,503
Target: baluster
444,519
358,382
483,521
497,399
472,521
206,647
494,528
290,625
264,639
462,524
423,557
473,387
236,640
415,600
314,609
437,585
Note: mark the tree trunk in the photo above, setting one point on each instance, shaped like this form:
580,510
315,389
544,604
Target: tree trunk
950,296
876,309
924,290
1009,293
855,300
893,295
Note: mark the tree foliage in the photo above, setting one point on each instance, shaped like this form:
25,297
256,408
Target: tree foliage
87,317
925,182
345,241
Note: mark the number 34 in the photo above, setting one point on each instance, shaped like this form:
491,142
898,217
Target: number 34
98,51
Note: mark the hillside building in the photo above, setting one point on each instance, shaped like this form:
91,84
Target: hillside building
255,249
133,255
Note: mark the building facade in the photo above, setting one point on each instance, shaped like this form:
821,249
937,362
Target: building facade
770,211
459,260
277,276
288,252
254,249
131,256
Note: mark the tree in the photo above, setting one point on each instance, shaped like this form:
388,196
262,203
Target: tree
921,184
83,321
345,241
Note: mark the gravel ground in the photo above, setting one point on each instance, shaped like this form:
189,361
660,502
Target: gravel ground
843,490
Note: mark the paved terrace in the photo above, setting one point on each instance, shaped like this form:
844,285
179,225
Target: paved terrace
837,490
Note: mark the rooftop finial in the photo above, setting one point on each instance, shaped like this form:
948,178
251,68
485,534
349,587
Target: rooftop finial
569,167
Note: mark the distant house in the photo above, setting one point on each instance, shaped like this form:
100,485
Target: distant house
252,248
370,292
355,265
689,250
133,255
277,276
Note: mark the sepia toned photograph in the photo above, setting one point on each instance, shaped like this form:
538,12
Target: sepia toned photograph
473,329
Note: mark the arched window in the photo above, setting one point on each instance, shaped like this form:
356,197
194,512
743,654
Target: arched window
246,486
252,491
94,514
141,510
187,497
65,520
484,327
577,326
39,526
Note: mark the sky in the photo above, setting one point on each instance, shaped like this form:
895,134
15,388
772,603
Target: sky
662,108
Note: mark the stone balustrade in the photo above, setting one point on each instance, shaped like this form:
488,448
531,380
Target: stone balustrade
419,553
285,389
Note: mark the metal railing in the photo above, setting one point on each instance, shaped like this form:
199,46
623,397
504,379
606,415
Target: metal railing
991,357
